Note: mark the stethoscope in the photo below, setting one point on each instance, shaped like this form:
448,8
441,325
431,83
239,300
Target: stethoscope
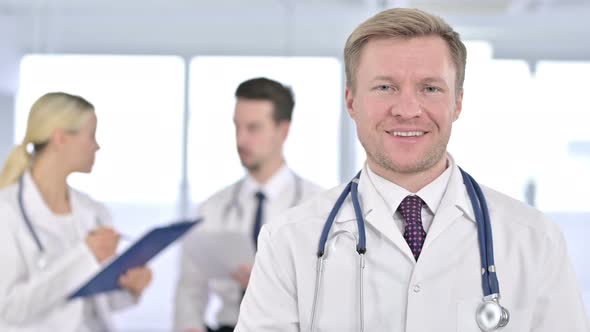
234,202
42,259
489,315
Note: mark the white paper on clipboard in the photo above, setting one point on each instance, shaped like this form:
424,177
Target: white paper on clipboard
218,254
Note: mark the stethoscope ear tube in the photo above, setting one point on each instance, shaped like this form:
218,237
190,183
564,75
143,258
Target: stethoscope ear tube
21,205
234,202
361,246
330,220
482,233
489,245
318,289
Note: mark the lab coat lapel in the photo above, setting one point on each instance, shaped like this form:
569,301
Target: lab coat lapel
380,218
452,206
42,218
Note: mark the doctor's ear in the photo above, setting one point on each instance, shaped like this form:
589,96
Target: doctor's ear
458,105
59,137
284,127
349,99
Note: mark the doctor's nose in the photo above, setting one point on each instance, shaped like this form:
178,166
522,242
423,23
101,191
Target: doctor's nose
407,105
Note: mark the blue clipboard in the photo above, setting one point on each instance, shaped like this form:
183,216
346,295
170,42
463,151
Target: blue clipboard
137,255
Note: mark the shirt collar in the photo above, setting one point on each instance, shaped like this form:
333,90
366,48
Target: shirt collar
393,194
273,187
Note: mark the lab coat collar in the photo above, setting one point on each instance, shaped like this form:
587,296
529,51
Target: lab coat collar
456,193
375,212
39,214
393,194
380,218
36,209
453,204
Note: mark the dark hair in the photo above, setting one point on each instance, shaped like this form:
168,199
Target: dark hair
265,89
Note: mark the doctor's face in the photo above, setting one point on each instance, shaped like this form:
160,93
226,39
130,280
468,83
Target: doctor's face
404,103
81,146
259,138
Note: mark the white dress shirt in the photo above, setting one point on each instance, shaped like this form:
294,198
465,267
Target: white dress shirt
392,196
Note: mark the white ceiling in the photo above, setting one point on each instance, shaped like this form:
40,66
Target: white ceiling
528,29
452,7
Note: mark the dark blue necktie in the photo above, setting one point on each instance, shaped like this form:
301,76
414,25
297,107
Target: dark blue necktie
258,217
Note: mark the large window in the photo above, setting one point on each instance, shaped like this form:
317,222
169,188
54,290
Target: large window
562,173
313,143
562,107
493,133
139,102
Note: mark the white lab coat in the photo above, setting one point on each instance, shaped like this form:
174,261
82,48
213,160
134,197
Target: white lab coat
34,298
440,292
193,288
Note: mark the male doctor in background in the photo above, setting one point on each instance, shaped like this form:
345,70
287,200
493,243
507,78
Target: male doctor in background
262,118
405,70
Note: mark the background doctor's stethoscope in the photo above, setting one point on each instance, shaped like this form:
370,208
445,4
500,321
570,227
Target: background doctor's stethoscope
234,203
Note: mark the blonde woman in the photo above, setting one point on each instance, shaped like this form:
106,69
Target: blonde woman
52,237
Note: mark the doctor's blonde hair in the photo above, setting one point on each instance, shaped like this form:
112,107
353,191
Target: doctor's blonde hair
403,23
55,110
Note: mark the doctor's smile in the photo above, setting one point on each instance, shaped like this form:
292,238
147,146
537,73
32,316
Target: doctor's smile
406,133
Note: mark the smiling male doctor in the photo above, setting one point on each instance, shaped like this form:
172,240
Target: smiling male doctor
405,71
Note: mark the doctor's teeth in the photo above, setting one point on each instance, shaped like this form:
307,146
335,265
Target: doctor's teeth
408,133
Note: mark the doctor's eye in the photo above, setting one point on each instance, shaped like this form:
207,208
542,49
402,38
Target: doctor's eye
384,87
253,127
432,89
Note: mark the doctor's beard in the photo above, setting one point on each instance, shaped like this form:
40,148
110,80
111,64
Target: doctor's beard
429,160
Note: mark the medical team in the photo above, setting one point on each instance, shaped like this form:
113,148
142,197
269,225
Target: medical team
412,243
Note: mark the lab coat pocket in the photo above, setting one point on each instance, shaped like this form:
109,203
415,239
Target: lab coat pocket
520,318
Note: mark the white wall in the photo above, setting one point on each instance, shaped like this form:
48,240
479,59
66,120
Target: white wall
6,124
9,69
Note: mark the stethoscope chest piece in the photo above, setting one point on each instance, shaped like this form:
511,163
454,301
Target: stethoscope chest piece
490,315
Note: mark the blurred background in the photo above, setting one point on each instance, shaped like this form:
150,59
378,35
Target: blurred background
162,74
